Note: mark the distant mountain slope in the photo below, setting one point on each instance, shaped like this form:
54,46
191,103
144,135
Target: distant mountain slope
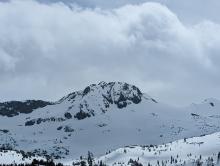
13,108
103,117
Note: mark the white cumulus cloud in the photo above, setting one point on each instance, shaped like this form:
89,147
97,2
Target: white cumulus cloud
52,49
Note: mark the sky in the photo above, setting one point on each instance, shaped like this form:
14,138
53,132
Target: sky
170,49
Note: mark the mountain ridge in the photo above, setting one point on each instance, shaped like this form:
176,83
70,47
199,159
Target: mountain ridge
122,97
110,115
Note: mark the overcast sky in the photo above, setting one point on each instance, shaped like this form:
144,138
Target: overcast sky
170,49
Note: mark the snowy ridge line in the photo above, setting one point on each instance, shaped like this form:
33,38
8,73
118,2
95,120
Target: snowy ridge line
194,151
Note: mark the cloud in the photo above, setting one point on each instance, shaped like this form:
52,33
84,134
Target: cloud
48,50
188,11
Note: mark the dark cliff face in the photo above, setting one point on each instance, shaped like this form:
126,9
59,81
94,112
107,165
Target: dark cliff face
121,94
13,108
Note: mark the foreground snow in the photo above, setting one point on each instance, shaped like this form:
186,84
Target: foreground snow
12,157
182,152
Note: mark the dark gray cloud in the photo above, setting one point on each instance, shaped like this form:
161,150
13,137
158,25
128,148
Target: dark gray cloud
50,49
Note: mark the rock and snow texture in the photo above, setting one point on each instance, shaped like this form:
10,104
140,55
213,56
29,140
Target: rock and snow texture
97,99
103,117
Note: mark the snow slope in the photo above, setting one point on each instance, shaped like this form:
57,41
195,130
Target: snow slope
184,151
103,117
12,157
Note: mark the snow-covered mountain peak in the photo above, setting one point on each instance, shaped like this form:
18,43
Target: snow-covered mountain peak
101,97
115,90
